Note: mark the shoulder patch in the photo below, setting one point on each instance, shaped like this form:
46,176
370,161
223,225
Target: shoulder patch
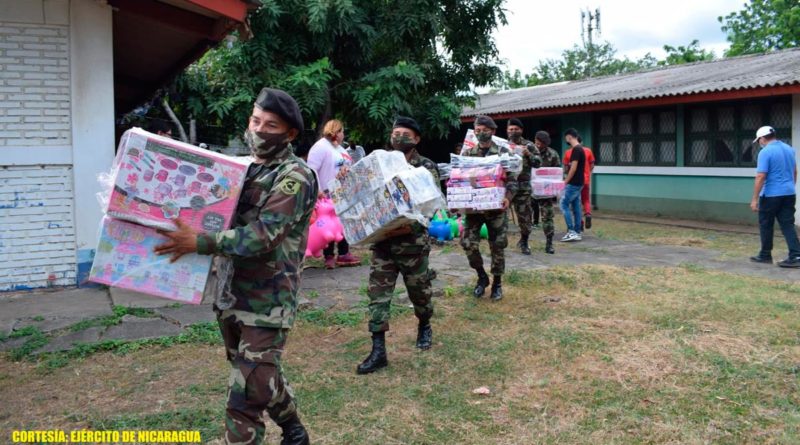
289,186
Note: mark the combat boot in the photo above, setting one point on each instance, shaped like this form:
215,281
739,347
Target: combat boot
548,248
523,245
377,358
497,288
424,335
483,282
294,433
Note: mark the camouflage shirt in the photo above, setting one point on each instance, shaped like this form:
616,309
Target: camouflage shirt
418,239
268,241
511,179
550,157
529,161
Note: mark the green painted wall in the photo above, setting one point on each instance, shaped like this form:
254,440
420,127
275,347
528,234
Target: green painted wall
581,122
723,199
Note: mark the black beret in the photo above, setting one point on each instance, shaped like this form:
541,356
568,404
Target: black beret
407,122
282,104
543,136
486,121
515,121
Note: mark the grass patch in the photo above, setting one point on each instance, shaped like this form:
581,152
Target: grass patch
626,355
115,318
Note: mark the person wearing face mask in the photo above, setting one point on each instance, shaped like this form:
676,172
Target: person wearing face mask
330,160
550,158
496,220
267,244
404,252
522,199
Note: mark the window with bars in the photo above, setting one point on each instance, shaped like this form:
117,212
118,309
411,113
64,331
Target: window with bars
646,137
721,135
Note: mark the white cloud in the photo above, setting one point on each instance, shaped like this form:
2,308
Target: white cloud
540,30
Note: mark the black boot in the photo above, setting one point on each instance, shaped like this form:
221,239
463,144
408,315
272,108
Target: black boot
483,282
497,288
294,433
523,245
424,335
377,358
549,247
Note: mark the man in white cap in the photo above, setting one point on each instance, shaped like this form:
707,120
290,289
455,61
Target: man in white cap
774,196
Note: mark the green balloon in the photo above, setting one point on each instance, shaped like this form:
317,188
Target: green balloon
484,232
453,227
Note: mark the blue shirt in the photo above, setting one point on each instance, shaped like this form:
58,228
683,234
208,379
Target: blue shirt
777,160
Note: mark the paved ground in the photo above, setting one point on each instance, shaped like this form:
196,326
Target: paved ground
53,311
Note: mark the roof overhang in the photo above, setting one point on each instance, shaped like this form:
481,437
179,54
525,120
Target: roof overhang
714,96
154,40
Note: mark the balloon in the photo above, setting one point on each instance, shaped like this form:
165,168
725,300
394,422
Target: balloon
440,229
484,232
325,228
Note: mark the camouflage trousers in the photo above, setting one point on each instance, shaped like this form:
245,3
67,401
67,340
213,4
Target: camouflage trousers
548,215
388,260
497,225
523,208
257,388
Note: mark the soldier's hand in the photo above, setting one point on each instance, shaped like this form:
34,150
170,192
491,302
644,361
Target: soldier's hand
180,242
506,203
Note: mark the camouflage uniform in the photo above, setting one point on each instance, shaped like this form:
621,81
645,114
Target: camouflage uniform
549,158
267,245
406,254
496,222
522,199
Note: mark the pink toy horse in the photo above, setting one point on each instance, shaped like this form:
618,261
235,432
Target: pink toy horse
324,228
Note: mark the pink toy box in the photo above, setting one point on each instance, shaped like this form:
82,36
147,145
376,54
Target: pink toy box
125,259
157,179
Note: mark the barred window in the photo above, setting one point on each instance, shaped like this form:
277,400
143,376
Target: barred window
721,135
644,137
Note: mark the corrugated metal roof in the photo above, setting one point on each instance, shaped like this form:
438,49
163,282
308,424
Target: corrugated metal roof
778,68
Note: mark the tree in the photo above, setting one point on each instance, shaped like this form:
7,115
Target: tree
598,60
360,60
686,54
575,64
763,25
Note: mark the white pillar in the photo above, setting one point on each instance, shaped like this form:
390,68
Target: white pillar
796,141
92,88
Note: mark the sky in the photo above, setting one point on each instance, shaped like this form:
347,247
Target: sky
538,30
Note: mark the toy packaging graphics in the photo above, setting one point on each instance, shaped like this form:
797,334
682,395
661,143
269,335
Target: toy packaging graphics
381,193
125,259
547,182
157,180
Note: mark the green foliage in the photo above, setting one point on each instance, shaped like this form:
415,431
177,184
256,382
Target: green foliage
763,25
686,54
593,60
361,61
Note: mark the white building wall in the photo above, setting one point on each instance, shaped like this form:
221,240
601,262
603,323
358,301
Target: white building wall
52,142
92,86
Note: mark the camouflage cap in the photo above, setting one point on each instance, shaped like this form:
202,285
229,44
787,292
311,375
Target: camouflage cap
282,104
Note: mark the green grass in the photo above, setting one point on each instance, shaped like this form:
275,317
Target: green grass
627,355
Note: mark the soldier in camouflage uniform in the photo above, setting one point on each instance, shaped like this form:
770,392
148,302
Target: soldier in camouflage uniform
406,252
549,158
267,244
522,199
496,220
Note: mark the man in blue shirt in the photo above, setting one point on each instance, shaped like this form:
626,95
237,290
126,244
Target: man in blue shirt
774,196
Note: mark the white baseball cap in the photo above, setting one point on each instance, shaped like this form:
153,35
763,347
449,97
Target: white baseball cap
763,131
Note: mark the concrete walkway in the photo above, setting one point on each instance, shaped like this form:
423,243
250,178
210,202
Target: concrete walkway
54,311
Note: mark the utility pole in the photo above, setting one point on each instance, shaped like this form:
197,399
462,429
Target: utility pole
590,24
